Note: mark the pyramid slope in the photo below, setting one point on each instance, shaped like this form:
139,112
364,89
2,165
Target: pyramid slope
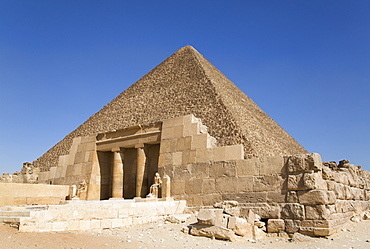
266,136
186,83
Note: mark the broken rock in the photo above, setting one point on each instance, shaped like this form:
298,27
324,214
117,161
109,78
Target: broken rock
210,216
212,232
178,218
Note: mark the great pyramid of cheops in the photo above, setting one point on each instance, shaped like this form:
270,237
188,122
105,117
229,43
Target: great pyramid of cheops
186,83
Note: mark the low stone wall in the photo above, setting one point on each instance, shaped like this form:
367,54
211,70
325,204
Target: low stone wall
298,192
96,215
31,194
246,181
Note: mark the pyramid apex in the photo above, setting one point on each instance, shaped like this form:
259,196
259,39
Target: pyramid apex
188,47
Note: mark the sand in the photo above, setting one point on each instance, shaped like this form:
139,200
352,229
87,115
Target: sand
167,235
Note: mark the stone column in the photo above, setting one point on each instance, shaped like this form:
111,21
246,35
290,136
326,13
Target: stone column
117,174
166,187
140,168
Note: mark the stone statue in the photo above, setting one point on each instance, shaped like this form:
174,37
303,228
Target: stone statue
154,189
74,191
82,188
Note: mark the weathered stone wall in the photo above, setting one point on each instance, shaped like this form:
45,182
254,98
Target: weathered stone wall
78,166
92,215
31,194
298,191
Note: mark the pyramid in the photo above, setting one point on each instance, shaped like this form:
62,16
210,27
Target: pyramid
186,83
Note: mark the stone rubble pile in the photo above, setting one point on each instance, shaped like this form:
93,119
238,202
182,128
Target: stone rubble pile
29,174
223,222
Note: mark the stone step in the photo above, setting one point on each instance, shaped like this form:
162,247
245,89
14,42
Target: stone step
10,220
14,214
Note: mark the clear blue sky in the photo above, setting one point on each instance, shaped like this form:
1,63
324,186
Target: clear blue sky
305,63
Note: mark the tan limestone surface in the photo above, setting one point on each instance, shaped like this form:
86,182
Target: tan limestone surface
186,83
168,235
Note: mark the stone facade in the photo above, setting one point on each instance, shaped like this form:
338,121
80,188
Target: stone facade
295,193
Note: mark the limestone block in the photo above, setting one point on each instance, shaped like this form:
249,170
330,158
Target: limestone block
193,186
264,210
316,197
168,146
95,224
327,173
306,181
249,215
314,181
213,232
272,165
178,218
275,225
229,207
245,184
234,152
210,199
292,226
247,167
59,226
292,197
249,197
267,183
174,121
200,170
258,233
177,158
295,182
297,237
323,231
293,211
325,223
62,160
341,177
209,186
191,126
226,184
182,172
343,206
177,187
188,156
165,159
81,147
304,163
183,143
211,141
241,227
167,133
317,212
219,154
204,155
211,216
276,196
218,169
178,131
200,141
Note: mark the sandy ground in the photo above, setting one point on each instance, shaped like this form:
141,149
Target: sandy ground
168,235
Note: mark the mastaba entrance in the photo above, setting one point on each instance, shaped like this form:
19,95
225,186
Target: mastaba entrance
209,143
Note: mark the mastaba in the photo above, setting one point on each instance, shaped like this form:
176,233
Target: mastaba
186,83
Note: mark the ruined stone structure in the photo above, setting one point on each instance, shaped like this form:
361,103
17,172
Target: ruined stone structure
29,174
209,143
